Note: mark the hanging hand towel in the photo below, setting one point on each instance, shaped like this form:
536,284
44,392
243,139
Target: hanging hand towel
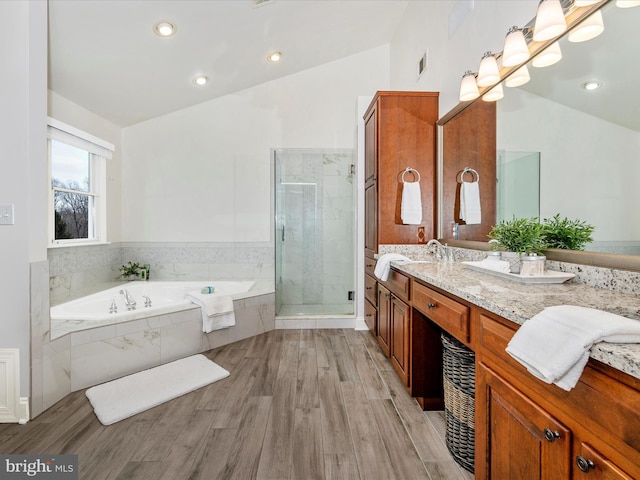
411,206
470,203
554,345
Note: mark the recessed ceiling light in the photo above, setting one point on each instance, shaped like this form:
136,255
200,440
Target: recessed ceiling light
591,85
200,80
274,57
164,28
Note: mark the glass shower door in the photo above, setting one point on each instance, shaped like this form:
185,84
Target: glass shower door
314,232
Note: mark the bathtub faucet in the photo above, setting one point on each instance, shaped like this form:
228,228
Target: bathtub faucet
128,299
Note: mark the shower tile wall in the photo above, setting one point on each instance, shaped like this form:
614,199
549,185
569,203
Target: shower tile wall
316,200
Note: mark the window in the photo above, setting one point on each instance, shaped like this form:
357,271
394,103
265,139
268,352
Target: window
77,200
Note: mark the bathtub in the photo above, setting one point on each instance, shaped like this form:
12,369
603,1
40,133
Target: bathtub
166,297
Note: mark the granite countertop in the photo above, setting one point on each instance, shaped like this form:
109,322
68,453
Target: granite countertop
519,302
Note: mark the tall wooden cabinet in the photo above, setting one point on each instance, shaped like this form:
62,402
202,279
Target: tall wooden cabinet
400,133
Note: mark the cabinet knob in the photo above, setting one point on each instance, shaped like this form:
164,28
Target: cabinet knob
584,464
550,436
369,288
432,305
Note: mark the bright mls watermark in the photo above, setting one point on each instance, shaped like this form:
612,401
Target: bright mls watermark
51,467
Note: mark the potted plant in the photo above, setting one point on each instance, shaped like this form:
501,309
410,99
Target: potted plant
130,271
519,236
567,234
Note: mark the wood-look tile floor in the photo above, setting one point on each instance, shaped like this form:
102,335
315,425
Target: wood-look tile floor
299,404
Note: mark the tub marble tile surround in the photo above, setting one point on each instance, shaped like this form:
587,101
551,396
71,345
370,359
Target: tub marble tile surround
615,291
78,271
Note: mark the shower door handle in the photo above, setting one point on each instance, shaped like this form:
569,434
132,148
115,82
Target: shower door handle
283,233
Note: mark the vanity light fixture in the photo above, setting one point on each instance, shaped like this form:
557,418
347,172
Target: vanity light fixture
164,28
592,85
274,57
519,77
515,49
468,87
550,21
588,29
627,3
550,55
488,74
200,80
496,93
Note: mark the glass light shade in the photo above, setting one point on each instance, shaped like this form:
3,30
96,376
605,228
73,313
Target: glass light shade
515,49
519,77
496,93
550,55
468,87
550,21
585,3
488,74
588,29
627,3
164,28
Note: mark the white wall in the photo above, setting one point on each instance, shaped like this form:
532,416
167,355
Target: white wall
79,117
203,174
23,180
425,25
588,167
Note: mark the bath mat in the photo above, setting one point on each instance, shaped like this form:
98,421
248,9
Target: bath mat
119,399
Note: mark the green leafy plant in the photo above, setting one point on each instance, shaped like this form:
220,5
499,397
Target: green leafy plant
520,235
567,234
130,269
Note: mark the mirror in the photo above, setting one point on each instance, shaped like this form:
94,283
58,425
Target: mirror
589,141
580,175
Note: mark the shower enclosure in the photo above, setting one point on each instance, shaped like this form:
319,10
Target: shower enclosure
314,232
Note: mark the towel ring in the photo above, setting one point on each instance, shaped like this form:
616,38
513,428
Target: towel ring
411,170
471,171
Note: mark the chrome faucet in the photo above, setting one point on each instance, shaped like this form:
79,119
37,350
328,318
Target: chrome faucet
440,249
128,299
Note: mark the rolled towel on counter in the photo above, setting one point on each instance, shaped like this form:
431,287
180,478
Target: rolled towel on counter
411,204
383,266
495,264
554,344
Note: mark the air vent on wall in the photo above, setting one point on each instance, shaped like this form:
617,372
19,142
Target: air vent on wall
260,3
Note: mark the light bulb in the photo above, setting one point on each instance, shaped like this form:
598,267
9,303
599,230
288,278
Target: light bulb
550,55
627,3
164,28
550,21
496,93
515,49
468,87
274,57
201,80
519,77
488,74
588,29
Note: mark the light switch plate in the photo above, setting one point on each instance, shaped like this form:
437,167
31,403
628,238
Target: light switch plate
6,215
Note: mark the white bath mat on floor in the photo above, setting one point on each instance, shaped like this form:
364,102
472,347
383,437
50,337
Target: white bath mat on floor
119,399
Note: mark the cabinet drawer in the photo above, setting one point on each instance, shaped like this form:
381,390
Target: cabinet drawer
494,337
369,266
399,284
371,318
447,313
370,290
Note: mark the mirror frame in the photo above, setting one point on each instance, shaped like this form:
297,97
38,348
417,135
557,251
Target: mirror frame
574,16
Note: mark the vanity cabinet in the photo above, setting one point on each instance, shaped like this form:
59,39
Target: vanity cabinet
525,426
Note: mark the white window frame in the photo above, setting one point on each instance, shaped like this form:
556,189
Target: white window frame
99,152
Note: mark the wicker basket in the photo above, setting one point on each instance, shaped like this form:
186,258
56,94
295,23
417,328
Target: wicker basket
459,396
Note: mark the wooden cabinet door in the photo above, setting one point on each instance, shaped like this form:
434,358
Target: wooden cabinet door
524,441
400,339
371,317
370,146
591,465
384,319
371,220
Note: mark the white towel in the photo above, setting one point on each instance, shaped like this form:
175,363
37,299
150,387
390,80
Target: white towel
554,345
495,264
217,309
470,203
411,204
383,267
